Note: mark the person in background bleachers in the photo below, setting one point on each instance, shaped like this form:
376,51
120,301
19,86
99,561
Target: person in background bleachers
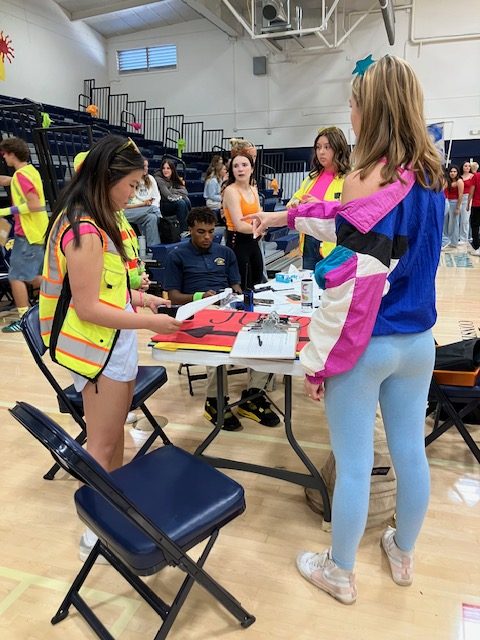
173,193
143,209
94,333
330,164
30,223
213,185
215,161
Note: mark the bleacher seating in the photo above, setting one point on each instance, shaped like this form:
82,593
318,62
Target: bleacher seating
46,149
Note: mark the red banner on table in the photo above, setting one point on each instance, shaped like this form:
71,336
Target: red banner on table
216,330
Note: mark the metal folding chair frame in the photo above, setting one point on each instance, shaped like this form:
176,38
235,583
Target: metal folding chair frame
79,463
455,417
66,405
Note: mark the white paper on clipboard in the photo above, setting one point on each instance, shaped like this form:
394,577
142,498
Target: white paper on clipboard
189,309
278,345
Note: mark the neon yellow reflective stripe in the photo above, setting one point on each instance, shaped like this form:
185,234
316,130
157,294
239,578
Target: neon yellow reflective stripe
80,346
33,224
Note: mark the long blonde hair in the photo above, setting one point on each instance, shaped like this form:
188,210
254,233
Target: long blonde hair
393,127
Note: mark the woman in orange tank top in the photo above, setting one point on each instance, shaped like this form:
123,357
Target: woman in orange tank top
240,198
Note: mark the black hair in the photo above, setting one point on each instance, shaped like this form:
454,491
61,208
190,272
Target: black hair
201,214
108,161
459,175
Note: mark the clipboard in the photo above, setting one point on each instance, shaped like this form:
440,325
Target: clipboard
268,339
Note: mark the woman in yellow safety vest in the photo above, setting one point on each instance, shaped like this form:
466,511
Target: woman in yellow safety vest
330,164
87,307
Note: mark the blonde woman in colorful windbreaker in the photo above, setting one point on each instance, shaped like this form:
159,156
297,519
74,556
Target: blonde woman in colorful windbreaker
330,163
371,337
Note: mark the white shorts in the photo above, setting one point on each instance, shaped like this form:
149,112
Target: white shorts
123,363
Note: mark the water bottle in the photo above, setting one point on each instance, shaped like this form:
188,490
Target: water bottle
142,247
248,299
306,289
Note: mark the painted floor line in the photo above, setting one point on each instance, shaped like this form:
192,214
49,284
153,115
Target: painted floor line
26,580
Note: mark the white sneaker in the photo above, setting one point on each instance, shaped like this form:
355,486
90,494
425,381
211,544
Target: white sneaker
474,252
401,562
131,418
321,570
84,551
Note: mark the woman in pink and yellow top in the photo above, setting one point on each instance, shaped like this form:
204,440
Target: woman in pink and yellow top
331,161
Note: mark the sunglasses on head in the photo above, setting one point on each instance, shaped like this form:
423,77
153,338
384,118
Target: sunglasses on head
128,143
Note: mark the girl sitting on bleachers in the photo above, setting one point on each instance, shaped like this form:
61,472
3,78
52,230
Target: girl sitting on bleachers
143,209
174,199
215,176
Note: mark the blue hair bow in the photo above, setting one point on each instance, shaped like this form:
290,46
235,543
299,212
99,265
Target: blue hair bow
362,65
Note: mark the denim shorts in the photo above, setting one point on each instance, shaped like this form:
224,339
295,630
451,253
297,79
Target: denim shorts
26,260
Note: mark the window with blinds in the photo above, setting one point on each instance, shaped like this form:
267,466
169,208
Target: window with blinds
147,58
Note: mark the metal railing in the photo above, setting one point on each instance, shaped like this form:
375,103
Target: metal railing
100,96
138,108
20,121
56,148
117,103
153,125
192,133
169,132
123,118
174,124
83,101
294,171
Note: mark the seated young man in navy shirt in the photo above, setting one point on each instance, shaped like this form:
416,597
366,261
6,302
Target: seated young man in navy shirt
201,268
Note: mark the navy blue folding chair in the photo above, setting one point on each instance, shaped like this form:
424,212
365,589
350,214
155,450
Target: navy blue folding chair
456,402
146,515
149,380
5,290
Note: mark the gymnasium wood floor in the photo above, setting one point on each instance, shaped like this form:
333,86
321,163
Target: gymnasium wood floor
254,556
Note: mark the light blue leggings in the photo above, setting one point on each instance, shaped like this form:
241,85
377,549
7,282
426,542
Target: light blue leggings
395,371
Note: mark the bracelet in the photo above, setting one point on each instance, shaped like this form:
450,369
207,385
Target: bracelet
197,296
141,298
145,302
